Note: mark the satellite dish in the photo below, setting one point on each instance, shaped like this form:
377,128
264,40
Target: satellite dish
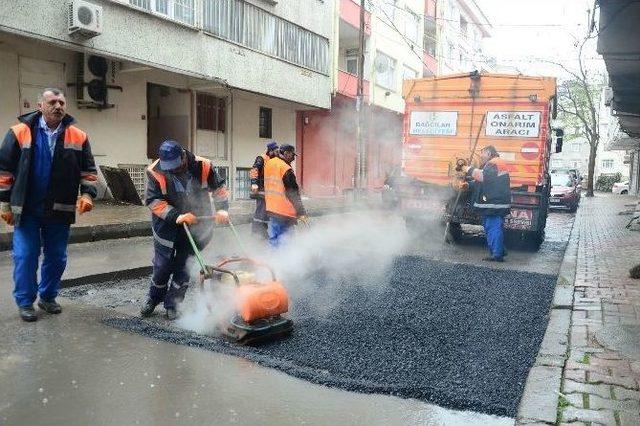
381,64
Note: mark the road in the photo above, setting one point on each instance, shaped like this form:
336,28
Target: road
73,369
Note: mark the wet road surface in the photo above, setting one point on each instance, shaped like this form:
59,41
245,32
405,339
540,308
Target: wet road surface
71,367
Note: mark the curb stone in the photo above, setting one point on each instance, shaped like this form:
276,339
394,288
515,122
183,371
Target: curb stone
85,234
539,403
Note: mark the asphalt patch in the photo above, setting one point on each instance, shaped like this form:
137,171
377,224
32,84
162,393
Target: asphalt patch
459,336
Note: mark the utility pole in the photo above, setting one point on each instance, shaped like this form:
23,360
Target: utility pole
360,144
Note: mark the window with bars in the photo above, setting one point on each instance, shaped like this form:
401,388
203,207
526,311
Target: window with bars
264,123
223,173
243,184
248,25
607,164
210,112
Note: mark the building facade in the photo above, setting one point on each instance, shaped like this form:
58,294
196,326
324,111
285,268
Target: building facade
393,52
461,28
223,77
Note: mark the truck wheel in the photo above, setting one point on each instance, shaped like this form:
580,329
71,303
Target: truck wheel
455,233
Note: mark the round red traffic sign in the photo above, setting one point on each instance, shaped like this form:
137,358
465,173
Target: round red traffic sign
530,151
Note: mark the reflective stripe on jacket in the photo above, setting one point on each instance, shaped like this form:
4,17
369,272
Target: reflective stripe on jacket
494,196
166,202
274,190
73,167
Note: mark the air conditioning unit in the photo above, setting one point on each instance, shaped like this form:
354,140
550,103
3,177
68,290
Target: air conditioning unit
94,76
85,19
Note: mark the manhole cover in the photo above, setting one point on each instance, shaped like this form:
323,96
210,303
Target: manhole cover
621,338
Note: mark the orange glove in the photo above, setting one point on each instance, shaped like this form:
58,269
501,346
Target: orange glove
221,217
84,204
6,213
188,218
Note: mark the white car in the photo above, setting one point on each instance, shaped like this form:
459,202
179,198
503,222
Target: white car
620,188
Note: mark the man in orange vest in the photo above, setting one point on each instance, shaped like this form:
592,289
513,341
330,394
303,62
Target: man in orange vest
282,195
45,160
260,219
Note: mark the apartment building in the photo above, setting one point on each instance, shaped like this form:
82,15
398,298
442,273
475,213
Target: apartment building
394,37
461,29
223,77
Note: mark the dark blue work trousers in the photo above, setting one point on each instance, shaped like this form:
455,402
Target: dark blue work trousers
171,265
494,230
30,238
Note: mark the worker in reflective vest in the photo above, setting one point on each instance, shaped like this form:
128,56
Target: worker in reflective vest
282,195
260,222
45,161
178,188
492,187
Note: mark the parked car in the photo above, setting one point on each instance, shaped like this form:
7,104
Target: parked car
620,188
565,191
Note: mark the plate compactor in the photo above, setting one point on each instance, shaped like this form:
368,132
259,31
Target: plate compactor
259,304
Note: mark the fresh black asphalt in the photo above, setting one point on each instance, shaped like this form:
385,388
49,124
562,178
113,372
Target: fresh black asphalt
456,335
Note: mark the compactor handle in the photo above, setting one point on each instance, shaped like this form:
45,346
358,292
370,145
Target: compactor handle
250,261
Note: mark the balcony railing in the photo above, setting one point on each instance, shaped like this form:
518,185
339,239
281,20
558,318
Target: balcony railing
242,23
348,85
350,13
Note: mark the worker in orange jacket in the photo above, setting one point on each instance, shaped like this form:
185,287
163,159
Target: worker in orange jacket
282,195
260,222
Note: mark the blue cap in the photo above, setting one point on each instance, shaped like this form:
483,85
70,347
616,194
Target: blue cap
170,155
286,147
272,145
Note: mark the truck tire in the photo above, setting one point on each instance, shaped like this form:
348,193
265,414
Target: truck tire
455,233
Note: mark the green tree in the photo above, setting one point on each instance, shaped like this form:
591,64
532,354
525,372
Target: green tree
579,102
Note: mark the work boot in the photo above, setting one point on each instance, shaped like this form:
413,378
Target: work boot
27,313
172,314
51,307
148,307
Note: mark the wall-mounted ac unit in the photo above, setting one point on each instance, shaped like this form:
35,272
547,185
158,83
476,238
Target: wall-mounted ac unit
608,96
94,76
85,19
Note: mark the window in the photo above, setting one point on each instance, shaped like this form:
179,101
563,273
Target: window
385,71
247,25
409,73
464,25
388,9
352,61
180,10
243,184
430,36
265,123
607,164
412,26
210,112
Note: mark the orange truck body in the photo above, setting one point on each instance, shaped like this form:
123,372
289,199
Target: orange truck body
445,115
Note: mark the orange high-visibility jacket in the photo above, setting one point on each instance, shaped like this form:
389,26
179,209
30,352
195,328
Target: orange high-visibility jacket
274,191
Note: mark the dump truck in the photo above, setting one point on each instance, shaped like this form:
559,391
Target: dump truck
448,120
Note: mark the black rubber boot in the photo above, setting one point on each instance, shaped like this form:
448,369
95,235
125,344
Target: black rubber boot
27,313
148,307
51,307
172,314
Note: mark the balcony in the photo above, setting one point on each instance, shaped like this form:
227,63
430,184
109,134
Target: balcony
348,85
350,13
430,62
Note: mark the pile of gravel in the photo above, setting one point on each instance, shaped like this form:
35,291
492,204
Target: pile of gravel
459,336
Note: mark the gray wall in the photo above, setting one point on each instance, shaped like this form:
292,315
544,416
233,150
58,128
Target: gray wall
146,39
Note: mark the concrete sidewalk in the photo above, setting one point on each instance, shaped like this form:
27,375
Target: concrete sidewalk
588,370
111,220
